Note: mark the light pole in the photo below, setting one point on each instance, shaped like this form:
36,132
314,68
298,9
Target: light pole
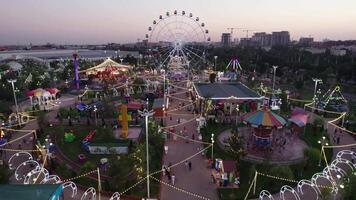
164,87
323,143
215,57
96,118
274,77
188,62
237,112
13,81
316,82
212,147
146,113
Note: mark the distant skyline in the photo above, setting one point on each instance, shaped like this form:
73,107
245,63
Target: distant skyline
123,21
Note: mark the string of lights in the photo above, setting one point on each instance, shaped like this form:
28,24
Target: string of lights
18,150
188,121
19,138
79,176
180,189
177,98
42,167
134,185
186,138
300,100
179,108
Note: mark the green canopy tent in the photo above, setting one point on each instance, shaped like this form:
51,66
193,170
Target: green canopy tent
31,192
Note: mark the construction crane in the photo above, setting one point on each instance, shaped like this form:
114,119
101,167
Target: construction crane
232,30
246,31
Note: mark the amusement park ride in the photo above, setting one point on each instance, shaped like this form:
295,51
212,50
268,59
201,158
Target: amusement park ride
178,35
333,99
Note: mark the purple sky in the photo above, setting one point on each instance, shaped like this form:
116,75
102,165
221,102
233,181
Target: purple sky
103,21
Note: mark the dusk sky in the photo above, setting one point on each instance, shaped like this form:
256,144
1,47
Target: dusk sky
120,21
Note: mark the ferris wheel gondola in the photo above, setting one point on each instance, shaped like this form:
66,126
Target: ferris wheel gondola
178,36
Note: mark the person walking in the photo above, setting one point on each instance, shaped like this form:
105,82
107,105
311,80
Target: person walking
190,166
173,179
186,164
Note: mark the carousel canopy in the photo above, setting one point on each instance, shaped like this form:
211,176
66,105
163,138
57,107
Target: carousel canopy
224,91
299,117
39,92
264,118
107,65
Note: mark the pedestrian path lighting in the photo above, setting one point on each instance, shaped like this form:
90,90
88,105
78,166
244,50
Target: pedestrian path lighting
237,112
323,142
146,113
212,147
316,81
13,81
96,118
215,57
274,78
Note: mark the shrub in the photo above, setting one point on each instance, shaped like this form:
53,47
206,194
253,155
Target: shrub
313,154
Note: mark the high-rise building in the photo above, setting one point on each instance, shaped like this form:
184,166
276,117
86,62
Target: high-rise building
262,39
226,39
280,38
306,41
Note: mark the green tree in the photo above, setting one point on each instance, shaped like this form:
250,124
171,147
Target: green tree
285,104
237,144
312,154
212,77
4,174
349,190
87,167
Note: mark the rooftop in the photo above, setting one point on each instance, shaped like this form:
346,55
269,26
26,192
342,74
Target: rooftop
30,192
229,90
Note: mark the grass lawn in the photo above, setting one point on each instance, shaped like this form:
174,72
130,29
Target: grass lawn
73,149
120,171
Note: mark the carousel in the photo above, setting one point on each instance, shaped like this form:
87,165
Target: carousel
108,70
41,96
263,123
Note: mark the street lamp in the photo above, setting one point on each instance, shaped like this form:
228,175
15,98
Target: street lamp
212,147
316,82
237,112
323,143
146,113
215,57
96,118
13,81
274,77
164,87
188,62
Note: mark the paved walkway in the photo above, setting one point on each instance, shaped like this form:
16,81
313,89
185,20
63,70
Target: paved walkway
198,179
290,153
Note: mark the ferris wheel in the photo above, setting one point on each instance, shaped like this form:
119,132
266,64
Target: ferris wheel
178,36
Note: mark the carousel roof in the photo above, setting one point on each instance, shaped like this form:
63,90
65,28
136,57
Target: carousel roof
108,64
42,92
224,91
299,117
265,118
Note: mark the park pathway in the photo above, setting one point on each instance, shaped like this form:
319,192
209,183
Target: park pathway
198,180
